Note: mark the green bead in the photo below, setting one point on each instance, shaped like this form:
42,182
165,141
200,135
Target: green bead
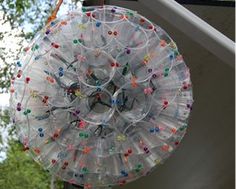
28,111
183,127
85,170
139,166
25,113
137,170
75,41
130,13
86,135
167,70
166,74
84,9
176,53
81,134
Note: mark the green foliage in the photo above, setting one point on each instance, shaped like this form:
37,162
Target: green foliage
19,171
20,12
5,118
26,17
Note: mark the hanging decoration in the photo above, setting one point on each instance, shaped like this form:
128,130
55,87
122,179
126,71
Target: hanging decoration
101,96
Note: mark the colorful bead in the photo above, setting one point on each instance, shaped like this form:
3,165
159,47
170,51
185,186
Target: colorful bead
98,24
18,63
27,79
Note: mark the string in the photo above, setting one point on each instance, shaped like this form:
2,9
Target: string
55,11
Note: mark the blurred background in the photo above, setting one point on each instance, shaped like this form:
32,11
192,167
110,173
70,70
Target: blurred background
205,158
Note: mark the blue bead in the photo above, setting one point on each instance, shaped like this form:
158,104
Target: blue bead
124,173
18,63
40,129
98,24
61,69
157,129
61,74
41,135
37,57
152,130
171,56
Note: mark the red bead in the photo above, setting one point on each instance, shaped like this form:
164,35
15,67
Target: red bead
26,148
165,147
176,143
142,20
115,33
26,49
126,154
55,135
129,151
37,151
53,161
12,90
165,103
55,45
66,163
88,14
63,167
150,27
173,130
27,79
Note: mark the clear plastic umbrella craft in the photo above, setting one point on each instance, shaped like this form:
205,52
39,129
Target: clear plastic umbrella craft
101,96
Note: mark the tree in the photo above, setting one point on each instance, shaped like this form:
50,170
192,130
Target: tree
19,171
26,18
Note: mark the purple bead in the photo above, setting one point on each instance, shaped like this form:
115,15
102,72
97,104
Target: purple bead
154,75
18,108
128,51
149,70
47,32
